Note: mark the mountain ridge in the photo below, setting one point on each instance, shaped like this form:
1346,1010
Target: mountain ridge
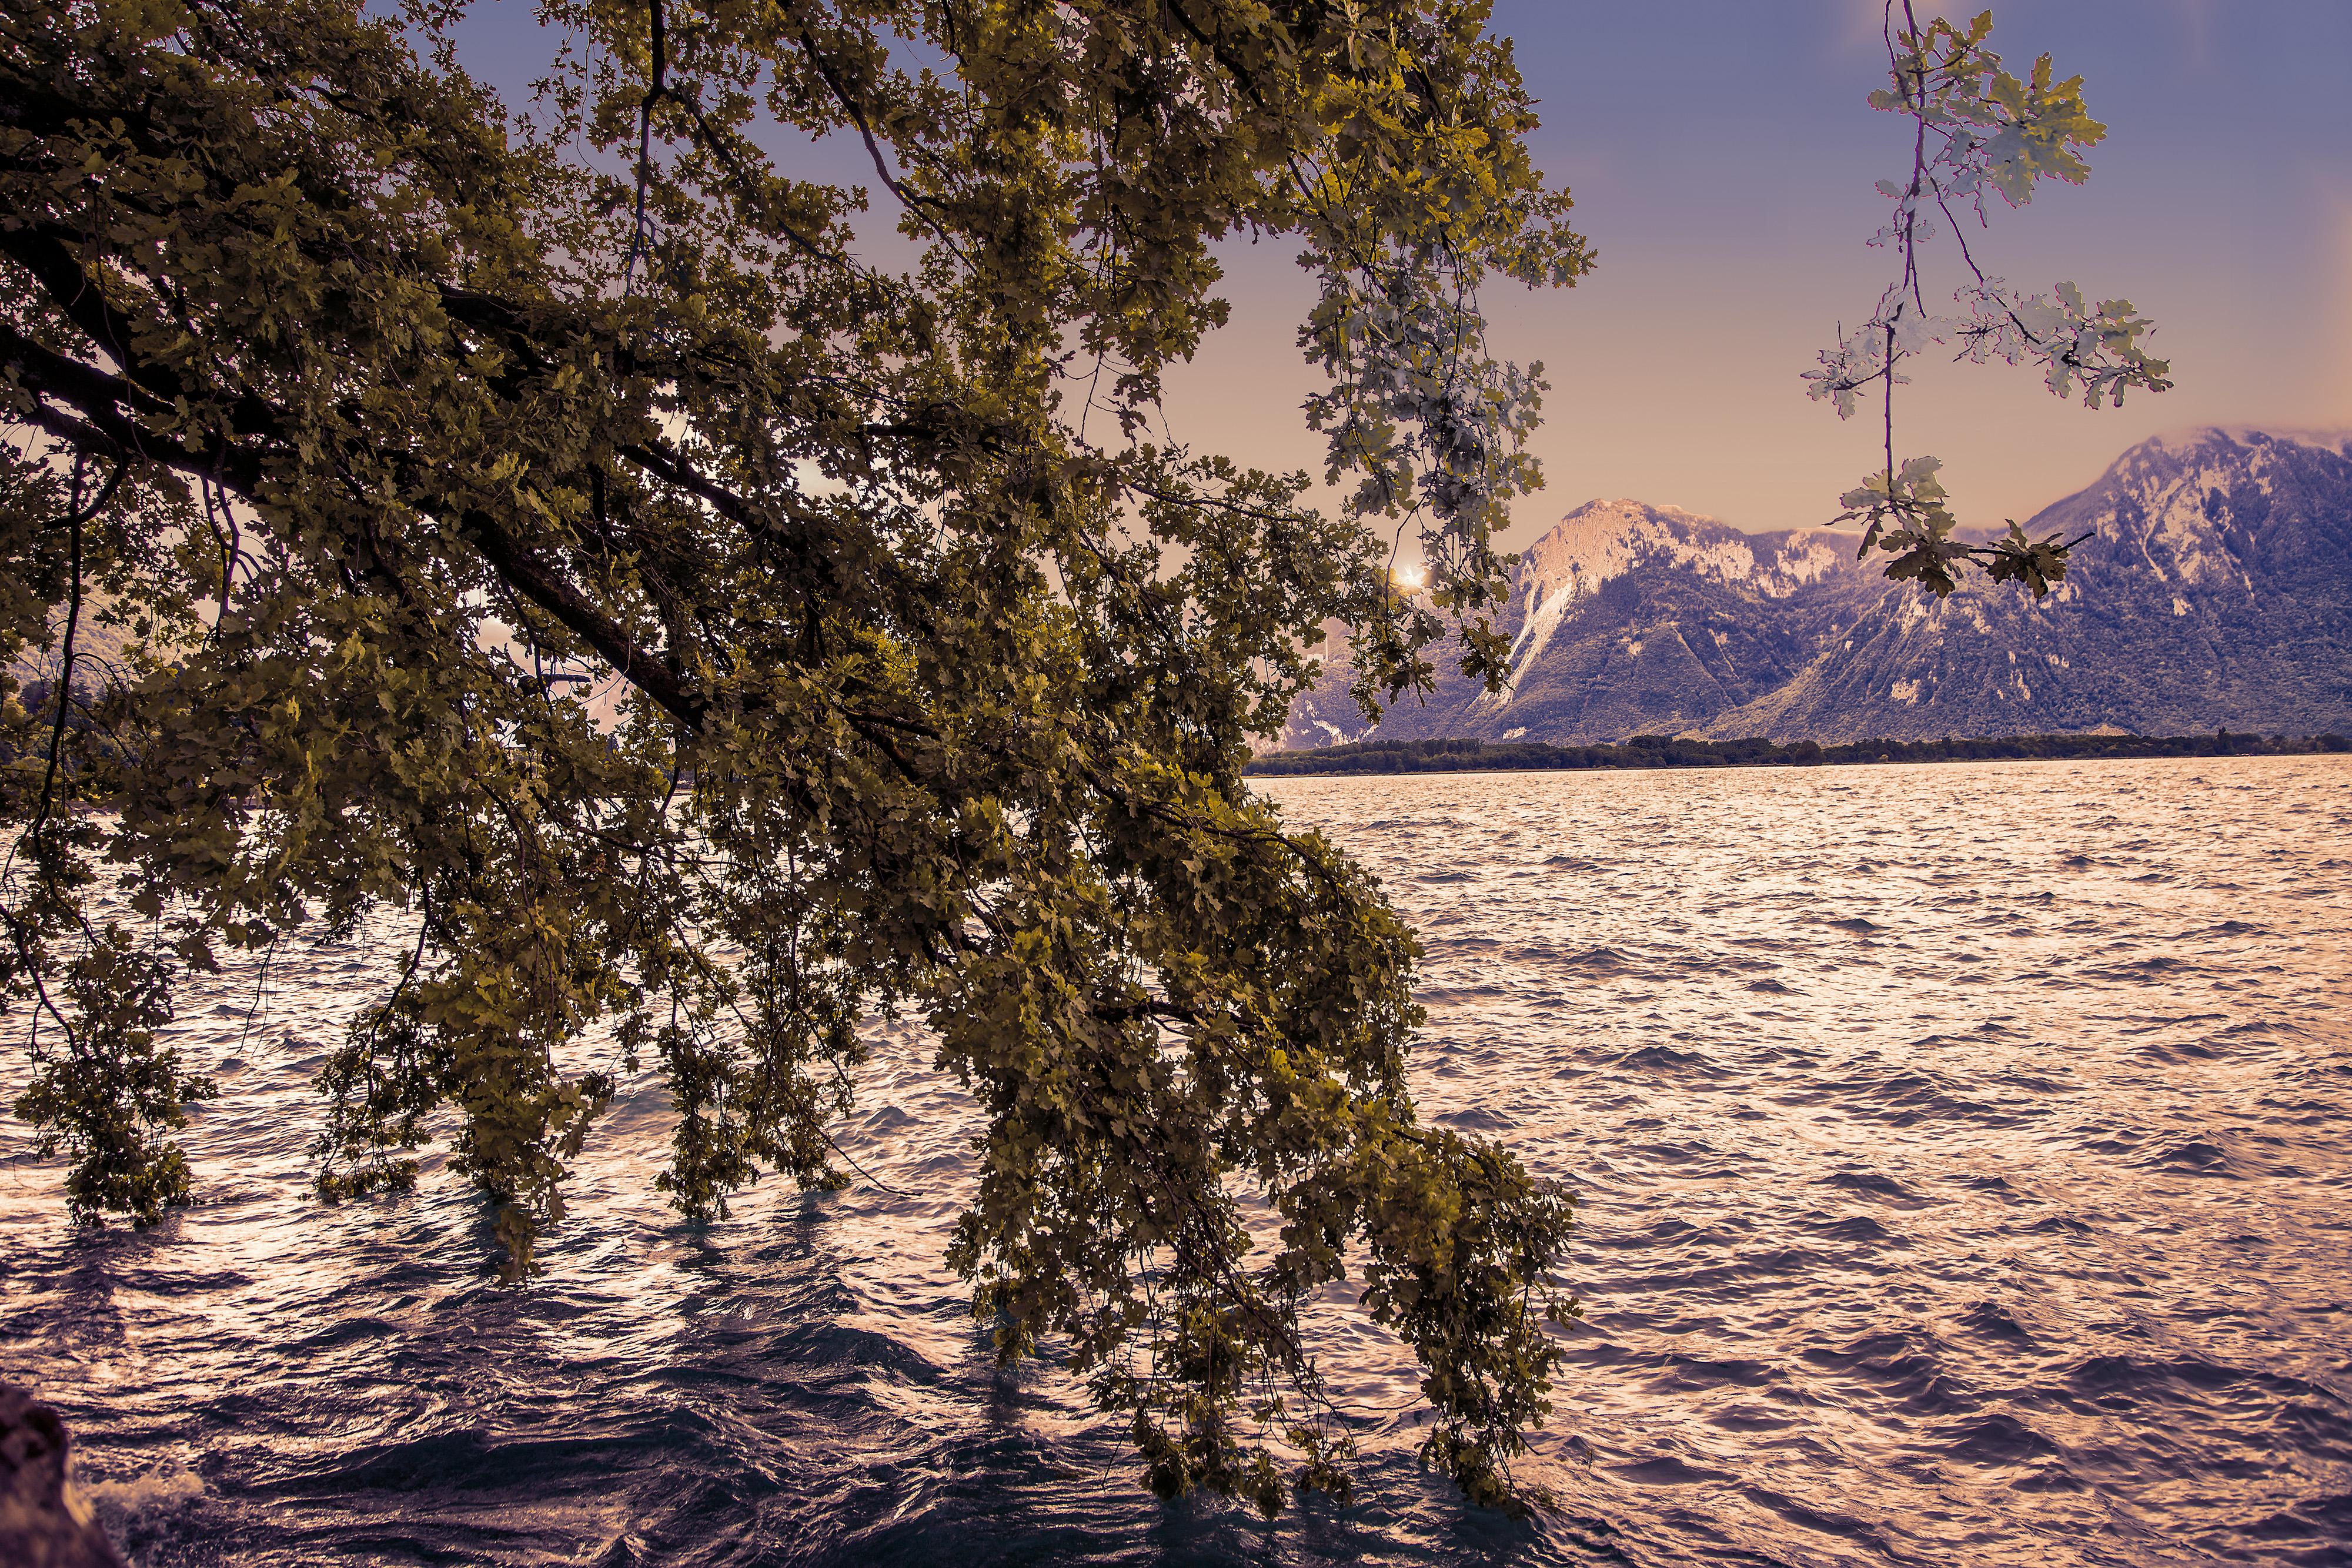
2216,591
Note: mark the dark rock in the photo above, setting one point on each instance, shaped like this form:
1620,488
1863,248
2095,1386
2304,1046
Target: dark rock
43,1522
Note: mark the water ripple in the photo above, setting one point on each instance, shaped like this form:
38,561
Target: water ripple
1951,1193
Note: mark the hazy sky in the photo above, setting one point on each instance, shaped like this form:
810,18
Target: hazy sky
1723,159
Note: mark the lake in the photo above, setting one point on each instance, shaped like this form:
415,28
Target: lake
1963,1175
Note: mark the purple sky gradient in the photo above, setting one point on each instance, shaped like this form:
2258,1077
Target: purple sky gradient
1723,159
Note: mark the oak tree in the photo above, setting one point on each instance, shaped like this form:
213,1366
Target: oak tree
351,400
348,403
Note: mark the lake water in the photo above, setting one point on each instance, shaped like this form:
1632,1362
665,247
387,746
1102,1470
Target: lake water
1964,1172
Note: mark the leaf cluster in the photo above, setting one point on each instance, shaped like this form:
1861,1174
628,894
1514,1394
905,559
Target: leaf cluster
1978,129
363,409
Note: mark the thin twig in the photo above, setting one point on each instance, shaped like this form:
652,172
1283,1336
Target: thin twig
658,79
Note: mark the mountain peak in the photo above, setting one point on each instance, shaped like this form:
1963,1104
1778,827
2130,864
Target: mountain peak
1604,542
1603,539
2214,588
2190,440
2177,469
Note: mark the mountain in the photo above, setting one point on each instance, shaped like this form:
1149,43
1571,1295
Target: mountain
2216,593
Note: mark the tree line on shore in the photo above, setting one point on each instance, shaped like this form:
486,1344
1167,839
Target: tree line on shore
1456,756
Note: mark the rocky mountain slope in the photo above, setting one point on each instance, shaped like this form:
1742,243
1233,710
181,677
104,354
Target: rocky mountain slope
2217,593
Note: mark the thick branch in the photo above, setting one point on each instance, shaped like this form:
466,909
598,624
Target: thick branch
655,677
99,398
104,428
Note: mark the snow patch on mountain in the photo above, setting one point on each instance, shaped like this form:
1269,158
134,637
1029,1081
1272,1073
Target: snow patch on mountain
1603,540
2213,587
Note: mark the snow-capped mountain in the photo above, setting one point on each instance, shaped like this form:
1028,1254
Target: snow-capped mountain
2216,592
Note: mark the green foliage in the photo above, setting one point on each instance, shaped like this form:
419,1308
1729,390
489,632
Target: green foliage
1979,129
2003,133
111,1093
1905,513
380,403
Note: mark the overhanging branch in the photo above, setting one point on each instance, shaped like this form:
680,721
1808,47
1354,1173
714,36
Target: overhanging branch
104,428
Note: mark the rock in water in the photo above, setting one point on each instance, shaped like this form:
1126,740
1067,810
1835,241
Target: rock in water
43,1523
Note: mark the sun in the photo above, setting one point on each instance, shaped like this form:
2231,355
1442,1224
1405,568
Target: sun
1409,576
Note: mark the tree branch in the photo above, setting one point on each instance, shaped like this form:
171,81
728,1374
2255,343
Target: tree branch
99,399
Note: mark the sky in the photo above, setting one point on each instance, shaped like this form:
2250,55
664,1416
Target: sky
1723,162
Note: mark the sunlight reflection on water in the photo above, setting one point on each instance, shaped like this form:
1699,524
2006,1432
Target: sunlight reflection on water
1963,1179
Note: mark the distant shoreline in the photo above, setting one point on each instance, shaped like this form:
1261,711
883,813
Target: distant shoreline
1650,751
